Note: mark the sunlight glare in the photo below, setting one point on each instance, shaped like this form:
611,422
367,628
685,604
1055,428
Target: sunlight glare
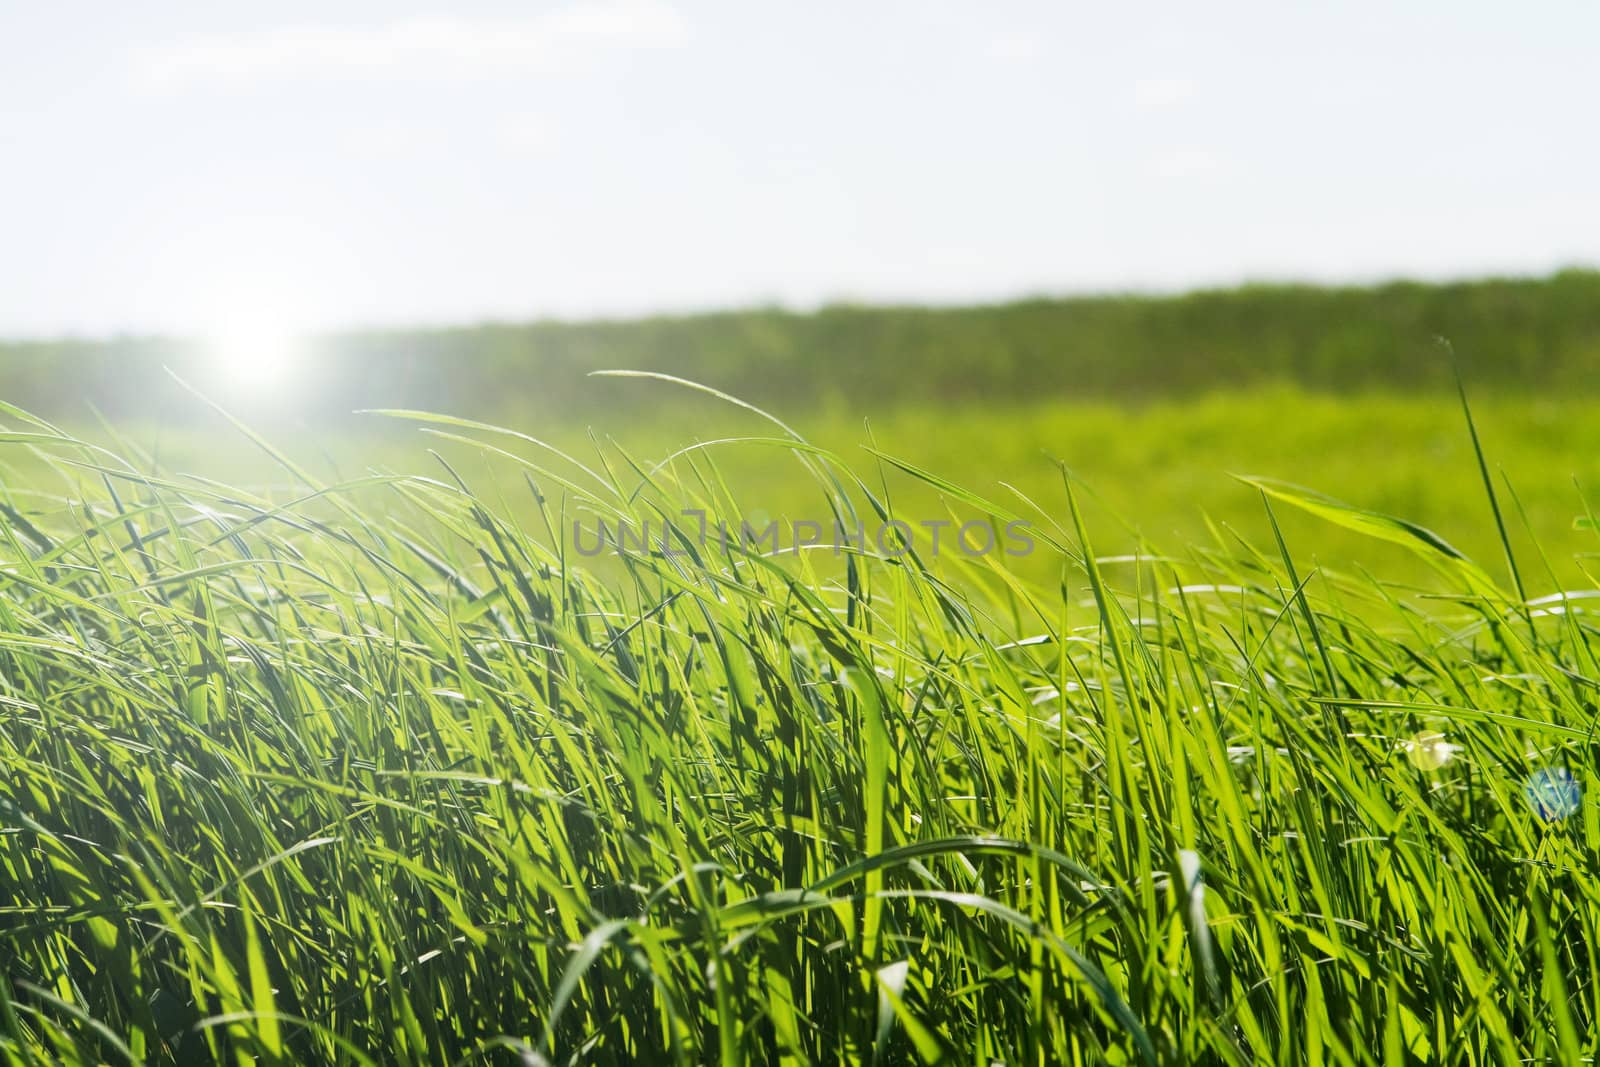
259,356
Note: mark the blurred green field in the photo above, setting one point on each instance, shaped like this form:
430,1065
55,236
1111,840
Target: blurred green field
1152,401
1161,473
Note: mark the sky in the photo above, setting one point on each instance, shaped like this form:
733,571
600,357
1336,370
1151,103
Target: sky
185,167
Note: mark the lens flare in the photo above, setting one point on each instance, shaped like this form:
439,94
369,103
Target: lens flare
1428,750
1554,793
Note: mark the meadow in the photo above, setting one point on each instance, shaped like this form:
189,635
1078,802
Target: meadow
1158,474
319,747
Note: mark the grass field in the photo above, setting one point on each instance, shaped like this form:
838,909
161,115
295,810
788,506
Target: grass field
1160,473
318,748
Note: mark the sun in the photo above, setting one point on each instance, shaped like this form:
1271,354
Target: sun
255,356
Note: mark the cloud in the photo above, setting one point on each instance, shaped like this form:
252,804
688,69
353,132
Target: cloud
434,46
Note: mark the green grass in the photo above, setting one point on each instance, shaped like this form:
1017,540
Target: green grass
367,771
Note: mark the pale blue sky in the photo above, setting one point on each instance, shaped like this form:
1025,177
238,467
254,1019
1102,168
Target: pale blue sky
177,166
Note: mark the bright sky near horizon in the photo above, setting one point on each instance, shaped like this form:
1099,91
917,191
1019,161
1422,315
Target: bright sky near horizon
186,166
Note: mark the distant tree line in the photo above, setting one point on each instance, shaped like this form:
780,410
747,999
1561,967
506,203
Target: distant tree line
1517,334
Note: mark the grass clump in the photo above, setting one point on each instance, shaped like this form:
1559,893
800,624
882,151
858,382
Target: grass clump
372,772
